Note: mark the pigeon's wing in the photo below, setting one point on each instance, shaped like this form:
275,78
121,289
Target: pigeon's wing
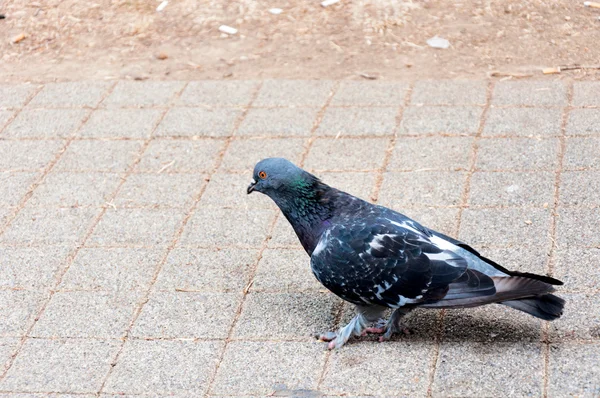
391,263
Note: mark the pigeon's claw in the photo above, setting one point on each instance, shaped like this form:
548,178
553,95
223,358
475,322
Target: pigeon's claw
327,336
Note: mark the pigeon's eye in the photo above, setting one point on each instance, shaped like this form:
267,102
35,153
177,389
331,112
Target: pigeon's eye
262,175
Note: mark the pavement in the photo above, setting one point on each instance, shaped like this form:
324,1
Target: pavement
132,262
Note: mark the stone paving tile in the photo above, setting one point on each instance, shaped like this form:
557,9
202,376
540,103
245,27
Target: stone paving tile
360,93
262,368
64,365
289,315
164,367
229,190
442,220
449,92
580,188
180,156
5,213
218,93
584,122
278,122
579,320
585,93
107,156
87,314
358,184
243,154
136,226
160,190
143,94
198,122
424,188
7,346
48,395
14,185
436,119
521,258
205,270
31,268
468,369
284,270
27,155
294,93
214,227
512,189
578,268
582,153
533,93
5,117
75,189
346,154
15,95
283,235
505,227
404,372
45,123
187,315
71,94
121,123
574,370
49,226
117,269
341,122
578,227
522,122
17,309
443,153
517,154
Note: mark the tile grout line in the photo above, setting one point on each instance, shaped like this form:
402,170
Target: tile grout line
19,110
545,335
71,256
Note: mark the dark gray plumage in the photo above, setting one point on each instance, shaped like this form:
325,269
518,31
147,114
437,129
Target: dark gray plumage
377,258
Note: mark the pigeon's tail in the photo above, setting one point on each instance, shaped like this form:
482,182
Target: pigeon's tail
546,306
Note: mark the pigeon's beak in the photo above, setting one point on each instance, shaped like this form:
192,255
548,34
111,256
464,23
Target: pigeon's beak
251,187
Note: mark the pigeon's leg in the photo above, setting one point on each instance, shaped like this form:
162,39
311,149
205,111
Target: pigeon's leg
395,325
355,327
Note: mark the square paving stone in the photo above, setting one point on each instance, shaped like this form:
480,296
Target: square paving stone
580,188
160,190
441,119
283,235
198,122
521,258
45,123
285,270
5,117
187,315
505,227
585,93
443,220
14,185
508,369
17,309
214,227
289,315
207,270
449,92
438,153
218,93
31,268
261,368
136,226
278,122
87,314
294,93
180,156
423,188
15,95
579,320
584,122
356,183
7,346
578,227
512,189
75,189
578,268
28,155
49,226
342,122
533,93
243,154
361,93
574,370
164,367
118,269
404,372
121,123
523,122
108,156
71,94
347,154
517,154
64,365
143,94
582,153
229,190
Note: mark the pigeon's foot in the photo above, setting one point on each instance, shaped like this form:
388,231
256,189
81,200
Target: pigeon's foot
327,336
337,339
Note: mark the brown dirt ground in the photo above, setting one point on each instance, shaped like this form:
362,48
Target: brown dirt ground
103,39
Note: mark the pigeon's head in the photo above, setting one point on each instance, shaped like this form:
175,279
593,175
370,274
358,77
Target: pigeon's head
273,175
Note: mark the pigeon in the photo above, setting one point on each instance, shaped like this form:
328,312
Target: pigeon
379,259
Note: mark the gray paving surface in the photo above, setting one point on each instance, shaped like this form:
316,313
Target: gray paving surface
132,263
